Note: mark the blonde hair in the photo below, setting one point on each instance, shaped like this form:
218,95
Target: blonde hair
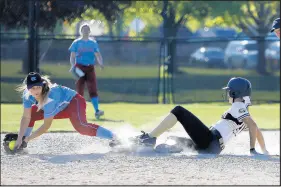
47,84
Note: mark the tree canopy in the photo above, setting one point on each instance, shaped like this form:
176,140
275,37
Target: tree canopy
14,13
254,18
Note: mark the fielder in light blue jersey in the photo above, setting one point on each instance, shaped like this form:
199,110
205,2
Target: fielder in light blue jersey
43,100
84,52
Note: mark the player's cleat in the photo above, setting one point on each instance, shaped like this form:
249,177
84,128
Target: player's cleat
114,143
99,113
144,139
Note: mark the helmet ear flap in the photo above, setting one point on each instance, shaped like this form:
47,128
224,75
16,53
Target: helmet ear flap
234,94
231,93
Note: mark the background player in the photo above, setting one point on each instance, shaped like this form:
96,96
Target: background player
84,51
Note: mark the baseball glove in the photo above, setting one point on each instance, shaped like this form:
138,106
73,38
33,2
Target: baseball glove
76,72
10,137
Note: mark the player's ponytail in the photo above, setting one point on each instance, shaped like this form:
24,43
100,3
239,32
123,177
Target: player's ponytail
21,87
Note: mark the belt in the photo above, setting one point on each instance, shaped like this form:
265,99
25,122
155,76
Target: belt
218,136
87,65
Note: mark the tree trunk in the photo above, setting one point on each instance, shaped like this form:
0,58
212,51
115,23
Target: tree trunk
170,29
172,52
119,30
25,62
171,34
261,66
110,27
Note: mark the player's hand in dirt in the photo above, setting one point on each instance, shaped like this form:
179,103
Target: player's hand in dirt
18,143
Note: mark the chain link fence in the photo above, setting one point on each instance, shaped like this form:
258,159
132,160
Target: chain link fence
132,68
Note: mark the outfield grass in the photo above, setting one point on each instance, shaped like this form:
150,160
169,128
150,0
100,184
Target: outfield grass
61,70
139,83
116,114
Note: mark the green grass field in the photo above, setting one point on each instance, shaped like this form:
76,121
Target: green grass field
139,83
267,116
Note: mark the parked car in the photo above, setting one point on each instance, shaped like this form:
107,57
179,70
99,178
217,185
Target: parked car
241,54
272,56
207,57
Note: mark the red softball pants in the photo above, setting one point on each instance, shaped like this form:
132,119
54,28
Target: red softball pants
89,79
75,111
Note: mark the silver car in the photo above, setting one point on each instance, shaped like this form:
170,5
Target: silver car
241,54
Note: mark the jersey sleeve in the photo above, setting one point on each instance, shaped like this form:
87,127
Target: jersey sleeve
73,47
50,108
27,103
239,111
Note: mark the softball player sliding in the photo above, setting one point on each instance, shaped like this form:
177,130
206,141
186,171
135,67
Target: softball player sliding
44,100
214,139
83,53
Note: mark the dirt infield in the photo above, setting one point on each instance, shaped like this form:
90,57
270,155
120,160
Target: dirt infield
72,159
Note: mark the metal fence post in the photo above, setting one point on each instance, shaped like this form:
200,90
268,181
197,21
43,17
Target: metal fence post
31,38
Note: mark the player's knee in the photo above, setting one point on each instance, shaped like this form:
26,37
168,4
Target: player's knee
177,111
82,131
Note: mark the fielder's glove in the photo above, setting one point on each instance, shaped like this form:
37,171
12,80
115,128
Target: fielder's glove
10,137
76,72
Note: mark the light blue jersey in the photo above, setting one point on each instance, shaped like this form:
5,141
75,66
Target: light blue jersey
58,99
84,51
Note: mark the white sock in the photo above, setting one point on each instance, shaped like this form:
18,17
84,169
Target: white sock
169,121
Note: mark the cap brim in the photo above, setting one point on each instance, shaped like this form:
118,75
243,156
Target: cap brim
274,28
35,84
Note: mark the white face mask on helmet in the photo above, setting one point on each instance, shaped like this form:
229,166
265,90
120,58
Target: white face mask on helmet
247,101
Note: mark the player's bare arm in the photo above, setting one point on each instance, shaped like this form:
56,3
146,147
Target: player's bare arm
252,130
72,58
261,141
41,130
99,58
252,125
23,125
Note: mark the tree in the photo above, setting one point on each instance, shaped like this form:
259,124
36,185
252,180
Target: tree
254,18
174,15
15,13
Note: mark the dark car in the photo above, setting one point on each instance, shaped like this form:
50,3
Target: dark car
211,57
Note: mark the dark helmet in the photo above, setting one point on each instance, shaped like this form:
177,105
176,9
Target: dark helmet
238,87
